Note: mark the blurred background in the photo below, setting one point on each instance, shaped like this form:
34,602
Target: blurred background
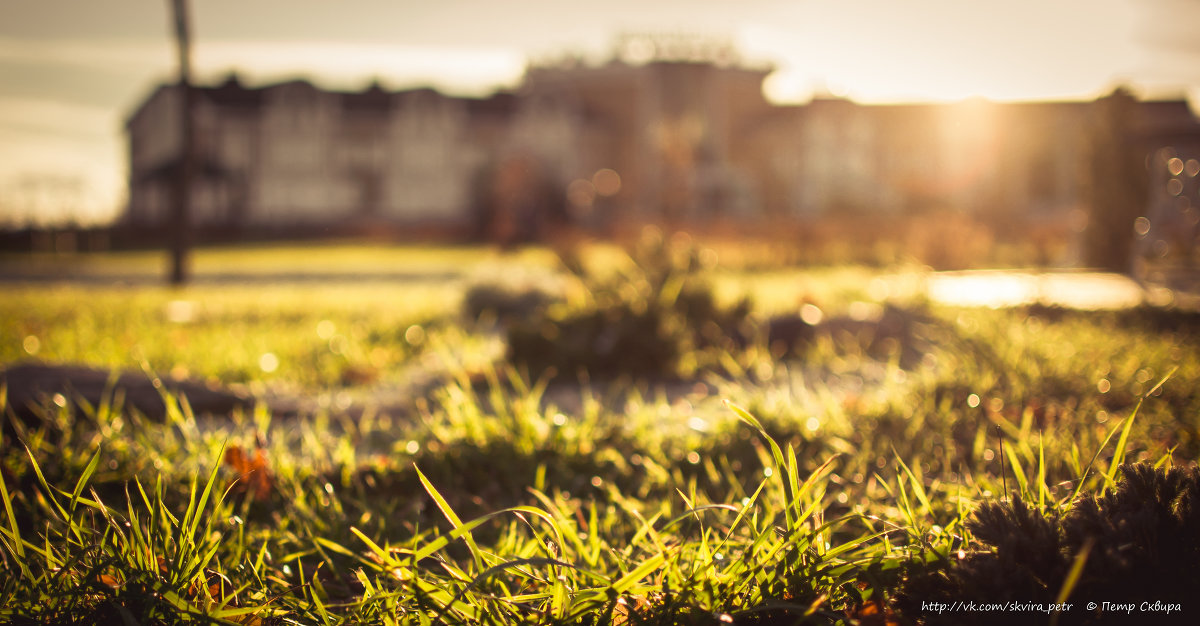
1019,135
586,257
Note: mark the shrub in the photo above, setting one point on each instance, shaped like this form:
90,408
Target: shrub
1141,542
653,321
504,305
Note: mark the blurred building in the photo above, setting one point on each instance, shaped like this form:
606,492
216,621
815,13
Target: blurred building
671,128
292,155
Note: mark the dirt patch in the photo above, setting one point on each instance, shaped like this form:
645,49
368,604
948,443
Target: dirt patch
34,386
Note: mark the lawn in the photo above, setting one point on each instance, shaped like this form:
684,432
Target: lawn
601,440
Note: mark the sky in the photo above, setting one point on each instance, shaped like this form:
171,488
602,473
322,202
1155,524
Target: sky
71,71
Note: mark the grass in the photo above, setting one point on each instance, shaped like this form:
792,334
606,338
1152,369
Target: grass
767,491
256,261
256,315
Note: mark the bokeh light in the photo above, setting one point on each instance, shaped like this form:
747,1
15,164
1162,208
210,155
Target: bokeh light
607,182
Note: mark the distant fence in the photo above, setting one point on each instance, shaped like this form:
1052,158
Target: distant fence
63,240
942,239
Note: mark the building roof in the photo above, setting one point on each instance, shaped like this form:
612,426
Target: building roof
231,93
372,99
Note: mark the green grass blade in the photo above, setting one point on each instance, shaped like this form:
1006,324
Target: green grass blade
626,582
37,470
1041,475
695,513
1092,462
792,478
14,531
196,509
917,488
1018,470
1073,576
452,517
776,453
84,478
1119,452
495,569
384,555
1161,382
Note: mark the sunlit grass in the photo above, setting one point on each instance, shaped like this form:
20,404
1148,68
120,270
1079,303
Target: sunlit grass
311,336
768,490
253,261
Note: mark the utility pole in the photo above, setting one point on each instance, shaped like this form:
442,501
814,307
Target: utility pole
181,207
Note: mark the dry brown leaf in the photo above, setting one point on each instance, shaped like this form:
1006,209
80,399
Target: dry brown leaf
254,474
872,613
